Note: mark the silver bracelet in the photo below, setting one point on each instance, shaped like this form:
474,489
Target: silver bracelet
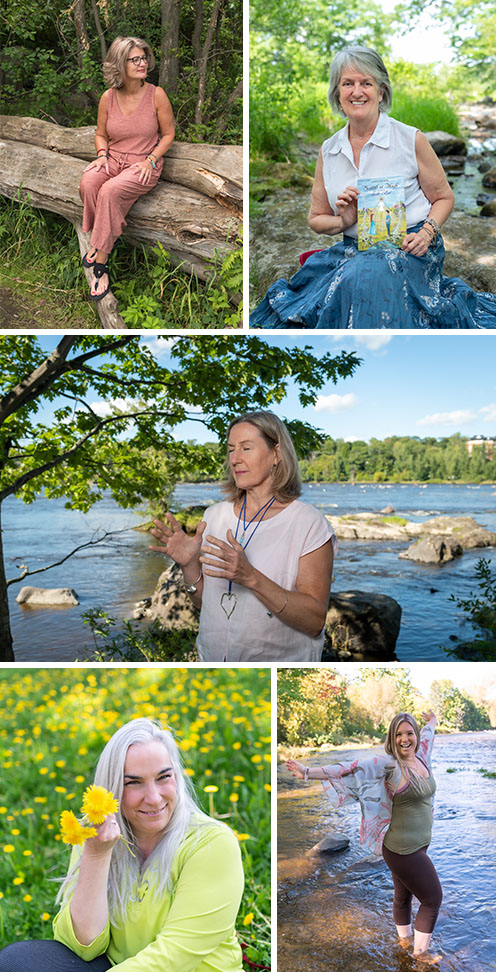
191,588
435,225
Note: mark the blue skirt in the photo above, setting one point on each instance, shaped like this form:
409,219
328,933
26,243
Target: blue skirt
382,287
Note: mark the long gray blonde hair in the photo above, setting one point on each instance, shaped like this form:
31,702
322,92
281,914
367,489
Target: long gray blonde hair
125,870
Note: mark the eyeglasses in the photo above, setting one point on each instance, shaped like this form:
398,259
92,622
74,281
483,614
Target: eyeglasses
137,60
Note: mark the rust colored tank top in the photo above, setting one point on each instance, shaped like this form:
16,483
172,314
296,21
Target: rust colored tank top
137,134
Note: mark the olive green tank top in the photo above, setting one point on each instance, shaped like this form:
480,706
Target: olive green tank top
411,820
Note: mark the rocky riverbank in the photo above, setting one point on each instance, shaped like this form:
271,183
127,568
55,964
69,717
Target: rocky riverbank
279,230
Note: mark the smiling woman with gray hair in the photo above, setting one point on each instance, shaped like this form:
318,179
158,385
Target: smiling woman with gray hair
165,897
396,284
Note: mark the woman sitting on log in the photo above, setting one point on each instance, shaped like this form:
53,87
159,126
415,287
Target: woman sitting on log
135,128
386,285
260,563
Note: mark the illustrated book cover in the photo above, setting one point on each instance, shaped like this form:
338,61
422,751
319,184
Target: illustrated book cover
381,212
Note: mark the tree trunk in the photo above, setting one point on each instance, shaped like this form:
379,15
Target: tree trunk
197,32
6,643
101,36
107,307
202,68
169,53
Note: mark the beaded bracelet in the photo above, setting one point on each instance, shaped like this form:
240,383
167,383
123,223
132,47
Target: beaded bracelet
150,160
99,152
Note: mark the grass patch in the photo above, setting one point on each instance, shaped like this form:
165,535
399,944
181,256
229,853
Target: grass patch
397,520
43,283
487,774
48,752
427,114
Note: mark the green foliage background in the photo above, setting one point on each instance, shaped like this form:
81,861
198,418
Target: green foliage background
292,46
322,707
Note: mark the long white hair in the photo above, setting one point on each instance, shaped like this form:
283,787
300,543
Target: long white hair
126,870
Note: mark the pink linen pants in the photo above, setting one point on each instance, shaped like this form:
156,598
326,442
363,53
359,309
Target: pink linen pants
108,198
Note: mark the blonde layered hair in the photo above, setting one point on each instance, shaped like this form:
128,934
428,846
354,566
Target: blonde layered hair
114,65
286,482
125,869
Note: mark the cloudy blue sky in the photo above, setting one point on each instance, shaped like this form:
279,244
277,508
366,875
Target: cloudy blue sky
423,384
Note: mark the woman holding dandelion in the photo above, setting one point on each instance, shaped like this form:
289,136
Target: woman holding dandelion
153,883
395,792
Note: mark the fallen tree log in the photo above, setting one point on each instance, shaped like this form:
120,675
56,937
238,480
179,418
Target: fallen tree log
195,212
213,170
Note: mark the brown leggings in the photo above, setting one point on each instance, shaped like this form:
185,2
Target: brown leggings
414,874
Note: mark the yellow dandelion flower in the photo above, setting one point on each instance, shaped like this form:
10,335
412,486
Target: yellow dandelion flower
247,920
60,789
71,831
239,779
234,797
15,832
79,779
27,897
43,771
98,803
1,894
243,836
40,799
3,809
267,787
27,853
211,789
237,745
8,848
45,916
18,880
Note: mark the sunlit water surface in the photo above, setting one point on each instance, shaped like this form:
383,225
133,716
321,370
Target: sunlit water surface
334,911
117,575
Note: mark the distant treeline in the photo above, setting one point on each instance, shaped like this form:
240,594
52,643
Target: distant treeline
399,459
395,459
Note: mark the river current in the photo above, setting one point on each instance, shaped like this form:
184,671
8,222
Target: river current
117,574
334,911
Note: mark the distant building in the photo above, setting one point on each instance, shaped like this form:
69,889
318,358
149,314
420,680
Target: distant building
481,440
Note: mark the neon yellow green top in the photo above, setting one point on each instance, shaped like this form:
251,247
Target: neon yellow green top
190,927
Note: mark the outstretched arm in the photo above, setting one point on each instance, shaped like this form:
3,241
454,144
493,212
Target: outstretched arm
303,772
429,718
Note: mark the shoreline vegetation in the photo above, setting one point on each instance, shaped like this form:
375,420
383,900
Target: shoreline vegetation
284,751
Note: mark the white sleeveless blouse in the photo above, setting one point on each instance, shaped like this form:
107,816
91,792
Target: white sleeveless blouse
389,152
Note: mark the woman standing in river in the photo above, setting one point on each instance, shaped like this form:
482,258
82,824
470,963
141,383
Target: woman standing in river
395,792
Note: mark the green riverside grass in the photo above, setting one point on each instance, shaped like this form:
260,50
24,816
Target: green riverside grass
41,268
53,726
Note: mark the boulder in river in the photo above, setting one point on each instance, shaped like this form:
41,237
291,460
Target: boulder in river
489,208
361,626
433,550
489,178
445,144
170,605
47,596
330,845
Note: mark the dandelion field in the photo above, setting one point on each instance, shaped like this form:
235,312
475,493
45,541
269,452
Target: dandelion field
53,726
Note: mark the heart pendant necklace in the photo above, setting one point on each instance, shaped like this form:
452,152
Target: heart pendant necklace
229,600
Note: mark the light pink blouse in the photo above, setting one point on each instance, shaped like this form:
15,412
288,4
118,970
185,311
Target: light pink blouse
251,633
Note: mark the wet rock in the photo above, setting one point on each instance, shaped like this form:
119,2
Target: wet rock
433,550
47,597
489,179
361,626
388,509
484,166
445,144
489,208
462,529
170,605
330,845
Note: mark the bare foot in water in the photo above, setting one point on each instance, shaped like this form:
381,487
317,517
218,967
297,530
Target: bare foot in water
427,958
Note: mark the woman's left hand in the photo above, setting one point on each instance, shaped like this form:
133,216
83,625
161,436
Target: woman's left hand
427,716
416,243
229,559
145,170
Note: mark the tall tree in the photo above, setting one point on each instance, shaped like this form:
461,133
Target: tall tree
110,399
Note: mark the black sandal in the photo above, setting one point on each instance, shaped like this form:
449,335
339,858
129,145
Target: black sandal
99,269
86,263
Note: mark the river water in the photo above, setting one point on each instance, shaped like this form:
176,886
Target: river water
334,911
117,575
